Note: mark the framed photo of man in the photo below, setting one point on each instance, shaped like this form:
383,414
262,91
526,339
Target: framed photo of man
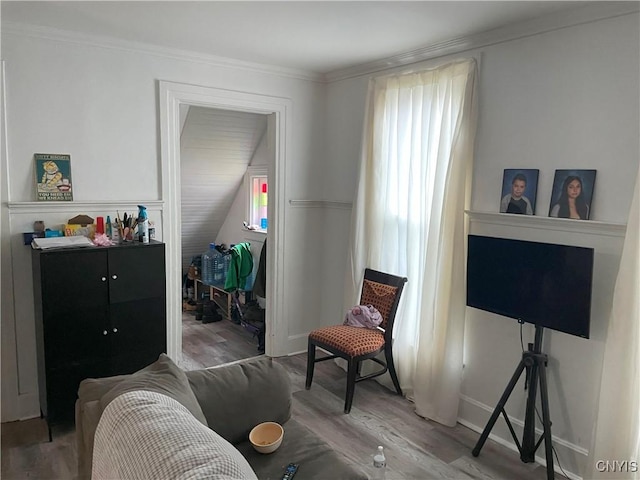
519,188
572,194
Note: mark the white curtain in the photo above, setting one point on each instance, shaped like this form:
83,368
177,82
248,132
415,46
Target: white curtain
617,433
408,219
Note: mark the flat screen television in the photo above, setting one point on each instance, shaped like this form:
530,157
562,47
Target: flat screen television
543,284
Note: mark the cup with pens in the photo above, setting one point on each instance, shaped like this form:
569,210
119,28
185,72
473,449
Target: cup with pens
126,227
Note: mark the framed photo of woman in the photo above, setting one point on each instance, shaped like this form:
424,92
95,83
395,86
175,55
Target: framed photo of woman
572,194
519,188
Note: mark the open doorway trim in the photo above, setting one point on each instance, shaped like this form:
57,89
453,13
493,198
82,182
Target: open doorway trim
171,96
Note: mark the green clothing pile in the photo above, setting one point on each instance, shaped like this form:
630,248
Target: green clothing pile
240,267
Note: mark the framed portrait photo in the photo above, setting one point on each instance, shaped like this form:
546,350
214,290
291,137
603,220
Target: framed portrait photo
519,189
572,194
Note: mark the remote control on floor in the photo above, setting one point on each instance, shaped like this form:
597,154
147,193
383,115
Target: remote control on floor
290,471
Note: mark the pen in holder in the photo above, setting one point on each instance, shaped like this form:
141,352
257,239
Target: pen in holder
126,227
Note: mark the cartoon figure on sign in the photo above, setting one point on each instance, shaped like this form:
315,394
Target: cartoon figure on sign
52,175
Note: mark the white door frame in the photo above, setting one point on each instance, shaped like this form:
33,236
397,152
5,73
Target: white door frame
171,96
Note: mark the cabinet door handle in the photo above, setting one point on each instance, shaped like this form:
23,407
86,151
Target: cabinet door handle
104,279
115,330
105,332
114,277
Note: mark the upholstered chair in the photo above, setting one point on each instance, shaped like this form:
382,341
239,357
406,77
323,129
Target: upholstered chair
356,344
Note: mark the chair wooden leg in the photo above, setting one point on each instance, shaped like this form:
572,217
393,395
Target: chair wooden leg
352,370
311,361
392,370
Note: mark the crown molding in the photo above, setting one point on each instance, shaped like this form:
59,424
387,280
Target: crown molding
49,33
547,23
581,15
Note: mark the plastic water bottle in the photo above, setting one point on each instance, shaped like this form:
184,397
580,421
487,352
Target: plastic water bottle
379,465
227,264
208,265
205,268
218,268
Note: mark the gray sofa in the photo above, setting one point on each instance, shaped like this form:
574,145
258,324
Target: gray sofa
231,400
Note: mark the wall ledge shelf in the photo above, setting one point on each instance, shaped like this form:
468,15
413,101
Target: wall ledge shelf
76,207
320,204
589,227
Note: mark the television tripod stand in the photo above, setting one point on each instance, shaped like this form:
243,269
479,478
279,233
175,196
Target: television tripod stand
534,362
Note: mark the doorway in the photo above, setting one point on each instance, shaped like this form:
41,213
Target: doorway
218,150
171,96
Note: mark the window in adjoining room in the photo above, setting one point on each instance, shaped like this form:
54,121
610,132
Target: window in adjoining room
257,181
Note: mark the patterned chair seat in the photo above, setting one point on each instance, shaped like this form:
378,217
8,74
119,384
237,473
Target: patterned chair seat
353,341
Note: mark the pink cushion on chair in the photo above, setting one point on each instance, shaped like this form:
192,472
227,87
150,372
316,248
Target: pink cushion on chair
353,341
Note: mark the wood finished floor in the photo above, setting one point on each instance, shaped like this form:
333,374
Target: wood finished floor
209,344
415,448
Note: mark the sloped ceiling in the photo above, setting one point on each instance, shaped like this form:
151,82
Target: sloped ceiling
216,146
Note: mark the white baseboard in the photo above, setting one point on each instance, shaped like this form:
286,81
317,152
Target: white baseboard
475,415
28,406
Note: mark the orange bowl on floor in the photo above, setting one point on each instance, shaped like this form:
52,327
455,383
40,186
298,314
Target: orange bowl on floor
266,437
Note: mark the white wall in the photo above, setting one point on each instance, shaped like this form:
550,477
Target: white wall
99,104
563,99
232,230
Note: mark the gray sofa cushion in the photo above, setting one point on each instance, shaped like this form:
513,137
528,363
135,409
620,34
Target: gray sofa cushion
162,376
316,459
92,389
235,398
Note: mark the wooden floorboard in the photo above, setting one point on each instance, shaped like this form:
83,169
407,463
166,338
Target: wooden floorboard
415,448
209,344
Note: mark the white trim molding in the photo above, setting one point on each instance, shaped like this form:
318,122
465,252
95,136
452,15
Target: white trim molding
50,33
171,96
547,23
548,223
502,436
582,14
320,204
75,207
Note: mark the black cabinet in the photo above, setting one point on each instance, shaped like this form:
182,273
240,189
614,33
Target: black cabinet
99,312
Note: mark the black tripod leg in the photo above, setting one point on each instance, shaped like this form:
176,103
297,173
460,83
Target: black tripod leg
498,409
546,421
528,450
